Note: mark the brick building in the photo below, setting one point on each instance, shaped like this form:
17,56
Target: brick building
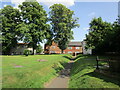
73,48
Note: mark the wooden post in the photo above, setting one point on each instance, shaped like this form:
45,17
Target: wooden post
97,63
109,63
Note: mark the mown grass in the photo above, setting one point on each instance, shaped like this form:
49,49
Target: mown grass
27,72
83,75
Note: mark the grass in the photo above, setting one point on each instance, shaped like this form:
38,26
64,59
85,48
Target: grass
27,72
83,75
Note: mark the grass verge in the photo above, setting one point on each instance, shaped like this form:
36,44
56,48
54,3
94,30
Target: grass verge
83,75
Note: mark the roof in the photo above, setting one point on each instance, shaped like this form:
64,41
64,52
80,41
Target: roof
75,44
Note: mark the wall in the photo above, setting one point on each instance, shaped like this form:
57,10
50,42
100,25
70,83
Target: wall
52,49
86,51
73,50
55,49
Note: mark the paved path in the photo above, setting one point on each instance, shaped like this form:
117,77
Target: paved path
62,80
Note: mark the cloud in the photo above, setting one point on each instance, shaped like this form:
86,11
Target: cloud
91,14
86,28
97,0
17,2
67,3
5,5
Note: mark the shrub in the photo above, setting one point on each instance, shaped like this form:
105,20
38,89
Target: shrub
26,52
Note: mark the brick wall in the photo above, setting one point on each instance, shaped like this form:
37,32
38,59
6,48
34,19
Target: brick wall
52,49
73,49
55,49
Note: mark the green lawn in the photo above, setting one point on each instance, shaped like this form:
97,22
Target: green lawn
83,75
27,72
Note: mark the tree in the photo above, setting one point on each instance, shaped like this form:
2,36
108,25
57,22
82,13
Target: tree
99,35
10,18
116,36
62,22
34,22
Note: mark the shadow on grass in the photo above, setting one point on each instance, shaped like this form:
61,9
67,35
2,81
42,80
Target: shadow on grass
100,76
78,56
70,58
82,64
63,63
57,66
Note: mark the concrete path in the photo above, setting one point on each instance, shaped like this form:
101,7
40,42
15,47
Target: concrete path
62,80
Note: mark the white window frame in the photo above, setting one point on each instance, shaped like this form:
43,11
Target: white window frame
69,47
77,47
52,51
53,47
69,52
77,52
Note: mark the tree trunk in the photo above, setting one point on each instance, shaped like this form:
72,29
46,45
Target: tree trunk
33,51
49,50
62,51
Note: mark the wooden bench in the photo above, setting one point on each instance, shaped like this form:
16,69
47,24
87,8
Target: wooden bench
114,63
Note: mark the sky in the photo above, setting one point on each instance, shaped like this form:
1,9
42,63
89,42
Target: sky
85,11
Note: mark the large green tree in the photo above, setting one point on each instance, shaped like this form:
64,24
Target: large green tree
10,18
62,23
99,37
34,28
115,37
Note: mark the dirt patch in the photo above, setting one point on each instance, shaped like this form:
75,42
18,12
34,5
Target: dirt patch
42,60
18,66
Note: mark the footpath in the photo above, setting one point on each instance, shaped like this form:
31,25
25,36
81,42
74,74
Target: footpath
62,80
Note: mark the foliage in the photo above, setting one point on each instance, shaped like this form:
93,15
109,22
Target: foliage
100,36
116,36
34,28
30,25
32,73
10,18
26,52
62,22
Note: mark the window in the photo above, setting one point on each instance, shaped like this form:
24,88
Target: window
77,52
53,47
69,47
52,51
77,47
69,52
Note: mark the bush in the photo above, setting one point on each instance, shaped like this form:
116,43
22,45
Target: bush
26,52
39,49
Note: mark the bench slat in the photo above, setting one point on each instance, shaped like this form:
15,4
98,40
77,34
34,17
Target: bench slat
108,60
